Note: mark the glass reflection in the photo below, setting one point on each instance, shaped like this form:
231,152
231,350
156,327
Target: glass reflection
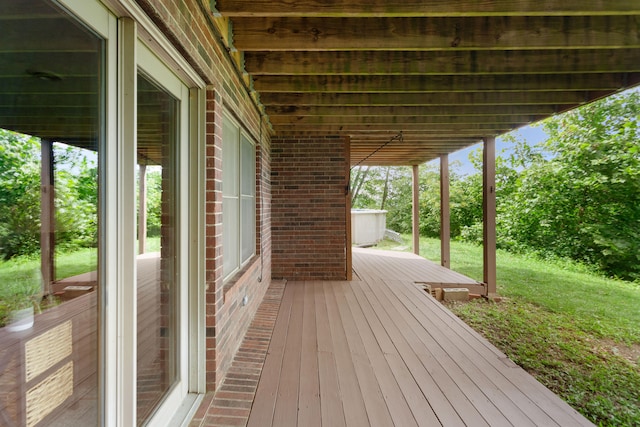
51,110
156,292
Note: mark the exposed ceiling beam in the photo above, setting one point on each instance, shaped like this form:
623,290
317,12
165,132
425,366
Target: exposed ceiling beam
451,62
362,8
483,83
404,147
423,132
365,138
403,120
460,128
75,63
415,111
51,130
497,33
33,84
437,98
437,148
49,34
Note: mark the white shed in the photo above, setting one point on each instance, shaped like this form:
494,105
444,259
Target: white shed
367,226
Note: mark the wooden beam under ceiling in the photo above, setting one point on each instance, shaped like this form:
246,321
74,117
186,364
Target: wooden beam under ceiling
279,121
496,33
372,8
483,83
53,33
433,98
450,62
296,111
461,128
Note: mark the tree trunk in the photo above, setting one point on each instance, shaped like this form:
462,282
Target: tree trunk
385,192
361,175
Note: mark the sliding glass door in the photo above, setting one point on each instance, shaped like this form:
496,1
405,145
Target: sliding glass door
98,198
53,92
161,279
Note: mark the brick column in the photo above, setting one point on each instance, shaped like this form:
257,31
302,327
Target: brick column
309,208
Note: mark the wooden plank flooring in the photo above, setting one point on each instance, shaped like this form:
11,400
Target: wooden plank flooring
378,351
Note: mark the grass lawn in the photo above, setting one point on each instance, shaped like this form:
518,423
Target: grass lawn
577,332
20,277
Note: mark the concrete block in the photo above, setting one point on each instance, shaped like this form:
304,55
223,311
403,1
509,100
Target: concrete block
438,294
456,294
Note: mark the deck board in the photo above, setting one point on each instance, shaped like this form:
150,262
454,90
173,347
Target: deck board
263,408
399,409
375,403
460,387
351,394
380,351
331,408
415,399
286,409
440,370
443,408
309,413
513,403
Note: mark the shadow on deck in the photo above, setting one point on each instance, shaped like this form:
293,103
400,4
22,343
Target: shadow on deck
374,351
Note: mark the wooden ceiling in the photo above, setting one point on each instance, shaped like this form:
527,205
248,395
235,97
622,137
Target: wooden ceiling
444,73
50,86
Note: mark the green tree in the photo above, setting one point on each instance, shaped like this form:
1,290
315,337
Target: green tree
19,194
367,185
76,196
583,201
466,204
154,201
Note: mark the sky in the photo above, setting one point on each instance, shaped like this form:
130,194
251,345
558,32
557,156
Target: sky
531,134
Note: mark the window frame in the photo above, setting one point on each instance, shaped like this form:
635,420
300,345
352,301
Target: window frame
124,25
240,181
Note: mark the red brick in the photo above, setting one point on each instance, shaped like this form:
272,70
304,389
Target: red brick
219,421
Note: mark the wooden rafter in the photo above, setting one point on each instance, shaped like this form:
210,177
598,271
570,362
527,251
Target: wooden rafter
448,84
446,73
438,34
414,111
362,8
453,62
392,120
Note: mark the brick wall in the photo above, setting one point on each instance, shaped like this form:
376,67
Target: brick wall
309,177
227,316
187,24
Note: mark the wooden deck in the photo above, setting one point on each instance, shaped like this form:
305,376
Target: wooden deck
378,351
408,268
80,407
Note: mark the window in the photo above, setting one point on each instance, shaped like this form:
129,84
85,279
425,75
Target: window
73,128
157,282
52,140
238,197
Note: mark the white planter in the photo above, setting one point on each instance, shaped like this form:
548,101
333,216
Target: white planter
20,320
